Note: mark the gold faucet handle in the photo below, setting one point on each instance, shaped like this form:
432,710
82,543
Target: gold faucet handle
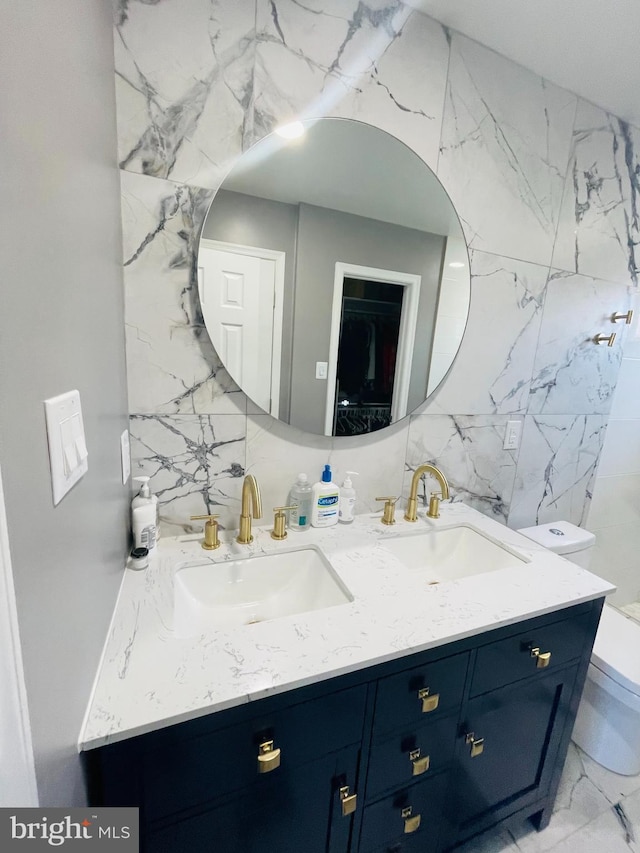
388,514
280,522
434,505
211,540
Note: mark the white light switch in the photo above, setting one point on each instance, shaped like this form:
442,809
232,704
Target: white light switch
322,369
67,446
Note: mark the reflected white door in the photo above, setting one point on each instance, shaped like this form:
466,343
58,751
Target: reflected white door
240,294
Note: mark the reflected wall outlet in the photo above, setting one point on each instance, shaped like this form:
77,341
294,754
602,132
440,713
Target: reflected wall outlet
68,453
512,435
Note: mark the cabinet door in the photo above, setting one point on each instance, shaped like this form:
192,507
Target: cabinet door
507,748
301,810
409,818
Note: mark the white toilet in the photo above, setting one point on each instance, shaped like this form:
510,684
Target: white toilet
607,727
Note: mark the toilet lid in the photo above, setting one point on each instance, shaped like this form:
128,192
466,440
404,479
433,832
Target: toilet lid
561,537
615,651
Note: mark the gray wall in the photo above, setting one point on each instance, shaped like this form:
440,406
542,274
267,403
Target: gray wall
324,237
250,221
61,327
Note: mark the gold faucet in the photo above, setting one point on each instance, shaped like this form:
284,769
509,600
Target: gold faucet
250,494
412,504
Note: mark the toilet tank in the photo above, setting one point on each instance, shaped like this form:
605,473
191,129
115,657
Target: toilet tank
564,538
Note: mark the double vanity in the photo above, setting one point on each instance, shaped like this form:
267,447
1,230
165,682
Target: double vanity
358,688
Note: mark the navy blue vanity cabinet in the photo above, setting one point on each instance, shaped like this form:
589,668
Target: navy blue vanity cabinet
412,746
269,777
415,755
301,810
516,722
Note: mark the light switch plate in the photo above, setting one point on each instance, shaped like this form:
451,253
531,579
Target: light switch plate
322,369
68,453
512,435
125,456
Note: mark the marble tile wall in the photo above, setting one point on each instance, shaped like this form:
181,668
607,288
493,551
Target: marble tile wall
615,509
544,184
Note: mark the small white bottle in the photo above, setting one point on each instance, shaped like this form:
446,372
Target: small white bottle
300,497
347,500
144,516
326,501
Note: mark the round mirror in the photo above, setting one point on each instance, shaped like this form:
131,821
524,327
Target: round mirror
333,277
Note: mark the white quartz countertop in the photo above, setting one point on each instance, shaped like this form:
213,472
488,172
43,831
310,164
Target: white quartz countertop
149,678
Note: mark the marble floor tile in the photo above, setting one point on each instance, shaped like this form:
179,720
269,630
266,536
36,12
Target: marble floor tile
578,802
605,834
614,786
632,609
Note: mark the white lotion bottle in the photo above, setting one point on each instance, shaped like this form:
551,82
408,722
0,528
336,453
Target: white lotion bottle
326,501
144,516
346,512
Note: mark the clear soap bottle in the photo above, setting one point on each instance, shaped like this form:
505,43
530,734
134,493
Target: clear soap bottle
300,497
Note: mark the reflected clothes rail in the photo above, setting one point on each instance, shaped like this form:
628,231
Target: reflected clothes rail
357,420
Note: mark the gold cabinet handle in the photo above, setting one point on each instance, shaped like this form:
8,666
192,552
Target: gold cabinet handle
419,764
268,757
542,658
429,701
476,744
349,801
411,821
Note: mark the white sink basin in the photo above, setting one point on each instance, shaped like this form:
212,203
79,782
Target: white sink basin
253,589
451,553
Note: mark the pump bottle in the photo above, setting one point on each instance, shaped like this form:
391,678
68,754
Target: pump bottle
144,516
326,501
347,500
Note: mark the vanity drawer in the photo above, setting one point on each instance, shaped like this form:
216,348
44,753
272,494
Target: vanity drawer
420,693
411,815
506,661
410,754
188,772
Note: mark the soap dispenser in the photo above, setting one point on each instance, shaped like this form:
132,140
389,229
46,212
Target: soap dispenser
326,500
347,500
144,516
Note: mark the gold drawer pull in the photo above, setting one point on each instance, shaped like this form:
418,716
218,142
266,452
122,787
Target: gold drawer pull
419,765
349,801
268,757
476,743
542,658
411,822
429,702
